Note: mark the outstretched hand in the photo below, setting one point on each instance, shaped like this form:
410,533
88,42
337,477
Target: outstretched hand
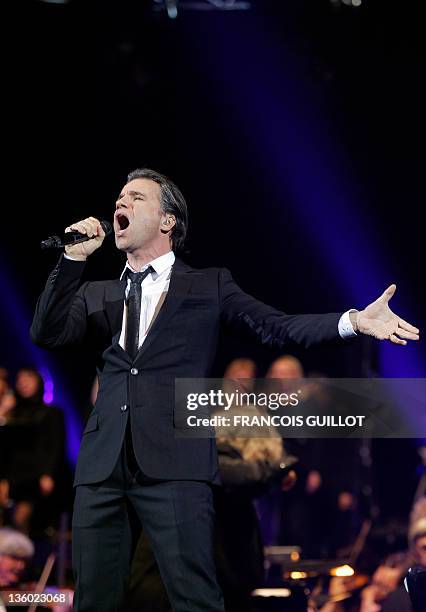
378,320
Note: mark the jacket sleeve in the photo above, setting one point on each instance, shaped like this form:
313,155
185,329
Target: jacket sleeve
61,316
271,326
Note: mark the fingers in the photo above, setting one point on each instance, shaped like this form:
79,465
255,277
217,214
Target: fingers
407,326
100,231
89,227
393,338
388,293
85,227
402,333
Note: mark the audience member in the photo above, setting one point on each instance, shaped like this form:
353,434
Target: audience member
35,462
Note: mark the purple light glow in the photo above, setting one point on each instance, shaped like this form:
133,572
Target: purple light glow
261,85
23,350
49,386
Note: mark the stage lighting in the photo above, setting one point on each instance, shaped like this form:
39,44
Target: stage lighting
346,2
277,592
342,571
173,6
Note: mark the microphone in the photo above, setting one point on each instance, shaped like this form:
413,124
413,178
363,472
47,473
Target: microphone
73,237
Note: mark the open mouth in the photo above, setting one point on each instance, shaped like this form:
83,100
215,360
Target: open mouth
123,221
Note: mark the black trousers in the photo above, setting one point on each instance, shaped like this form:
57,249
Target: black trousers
177,517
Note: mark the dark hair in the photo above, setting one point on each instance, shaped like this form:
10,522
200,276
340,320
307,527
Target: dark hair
172,202
39,394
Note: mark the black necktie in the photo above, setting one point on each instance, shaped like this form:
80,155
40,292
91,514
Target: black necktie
133,302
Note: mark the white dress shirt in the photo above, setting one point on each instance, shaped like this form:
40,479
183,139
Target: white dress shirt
153,286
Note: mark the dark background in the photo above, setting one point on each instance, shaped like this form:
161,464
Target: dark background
295,130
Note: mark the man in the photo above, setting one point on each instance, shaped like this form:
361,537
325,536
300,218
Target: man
130,462
325,487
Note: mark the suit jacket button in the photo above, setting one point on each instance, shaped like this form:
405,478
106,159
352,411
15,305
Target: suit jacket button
123,408
134,371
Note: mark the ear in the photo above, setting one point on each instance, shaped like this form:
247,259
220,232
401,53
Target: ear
168,222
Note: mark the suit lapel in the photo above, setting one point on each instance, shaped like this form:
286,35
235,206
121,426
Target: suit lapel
114,304
180,283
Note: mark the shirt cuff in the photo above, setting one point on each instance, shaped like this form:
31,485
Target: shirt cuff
345,326
72,259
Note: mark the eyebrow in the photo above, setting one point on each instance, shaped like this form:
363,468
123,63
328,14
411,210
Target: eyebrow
133,193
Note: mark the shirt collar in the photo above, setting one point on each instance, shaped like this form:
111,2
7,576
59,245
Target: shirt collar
160,264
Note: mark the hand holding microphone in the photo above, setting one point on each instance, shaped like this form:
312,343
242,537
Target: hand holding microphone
81,239
91,228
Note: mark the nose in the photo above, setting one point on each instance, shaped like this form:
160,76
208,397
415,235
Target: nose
122,202
19,565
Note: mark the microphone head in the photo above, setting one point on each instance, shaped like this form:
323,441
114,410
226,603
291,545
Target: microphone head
51,243
107,227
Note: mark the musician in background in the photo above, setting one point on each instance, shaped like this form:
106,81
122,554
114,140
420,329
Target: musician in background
320,514
241,368
16,551
417,532
387,593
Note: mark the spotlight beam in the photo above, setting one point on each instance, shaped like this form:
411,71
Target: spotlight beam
172,6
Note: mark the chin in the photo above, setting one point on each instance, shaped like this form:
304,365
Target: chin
121,243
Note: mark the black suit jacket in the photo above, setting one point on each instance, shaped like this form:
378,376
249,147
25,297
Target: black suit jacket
181,344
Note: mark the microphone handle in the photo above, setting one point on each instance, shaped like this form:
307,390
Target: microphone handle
56,242
72,237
